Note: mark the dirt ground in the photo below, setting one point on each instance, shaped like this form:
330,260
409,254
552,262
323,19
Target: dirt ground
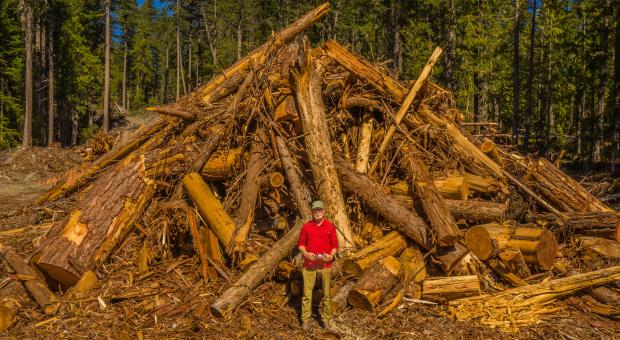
172,302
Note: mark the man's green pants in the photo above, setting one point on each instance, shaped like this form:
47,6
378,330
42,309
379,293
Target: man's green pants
309,276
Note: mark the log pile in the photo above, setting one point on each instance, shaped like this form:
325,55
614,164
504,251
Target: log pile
421,208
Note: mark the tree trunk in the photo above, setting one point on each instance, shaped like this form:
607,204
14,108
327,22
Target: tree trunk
26,20
530,79
516,82
538,246
297,186
222,166
97,224
390,245
615,157
106,71
363,147
317,142
375,284
450,288
487,240
234,296
597,224
209,39
450,56
124,86
599,120
444,226
514,261
397,54
239,32
339,299
178,61
50,85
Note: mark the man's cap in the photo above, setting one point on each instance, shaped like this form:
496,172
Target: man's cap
318,205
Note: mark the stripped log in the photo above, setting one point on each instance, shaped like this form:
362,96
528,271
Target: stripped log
375,284
317,142
444,226
390,245
363,147
37,288
450,288
487,240
538,246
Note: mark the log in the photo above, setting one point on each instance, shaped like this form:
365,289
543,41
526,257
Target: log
474,211
505,273
454,187
244,216
37,288
298,188
222,165
514,261
601,247
363,147
407,102
596,224
449,257
199,243
487,240
339,298
606,295
390,245
317,141
446,232
414,267
375,284
233,296
523,305
212,247
489,148
7,317
450,288
97,224
485,185
538,246
210,208
566,193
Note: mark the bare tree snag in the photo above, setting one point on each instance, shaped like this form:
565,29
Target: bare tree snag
566,193
450,288
299,189
244,215
234,296
258,56
317,142
390,245
487,240
402,111
363,147
446,232
375,284
209,207
37,289
97,224
538,246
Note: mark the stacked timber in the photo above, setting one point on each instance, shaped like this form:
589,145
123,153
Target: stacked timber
410,192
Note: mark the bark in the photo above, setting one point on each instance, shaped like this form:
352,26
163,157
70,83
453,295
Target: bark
106,71
297,186
35,286
97,224
234,296
339,299
375,284
514,261
450,288
209,39
390,245
615,158
538,246
516,82
26,21
363,147
124,85
597,224
446,232
50,85
473,211
317,142
223,165
530,79
487,240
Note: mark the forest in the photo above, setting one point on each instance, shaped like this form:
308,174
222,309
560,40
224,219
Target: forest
545,71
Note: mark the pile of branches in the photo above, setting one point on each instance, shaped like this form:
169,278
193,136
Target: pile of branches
425,212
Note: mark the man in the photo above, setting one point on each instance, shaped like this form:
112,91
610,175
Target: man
318,244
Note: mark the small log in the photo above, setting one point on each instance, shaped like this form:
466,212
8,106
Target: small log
37,289
475,211
489,148
209,207
390,245
414,267
486,185
298,188
606,295
454,187
97,224
371,232
339,298
212,247
234,295
538,246
222,165
449,257
566,193
505,273
375,284
601,247
514,261
199,244
363,147
596,224
317,142
450,288
87,282
487,240
444,226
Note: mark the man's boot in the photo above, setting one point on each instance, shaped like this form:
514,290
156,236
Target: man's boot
327,325
305,325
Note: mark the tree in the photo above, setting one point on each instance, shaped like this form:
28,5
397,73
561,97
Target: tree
26,19
530,80
516,82
106,71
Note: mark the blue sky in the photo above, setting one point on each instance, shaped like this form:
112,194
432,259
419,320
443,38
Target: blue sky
156,3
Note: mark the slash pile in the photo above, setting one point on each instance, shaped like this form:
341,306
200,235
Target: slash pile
425,211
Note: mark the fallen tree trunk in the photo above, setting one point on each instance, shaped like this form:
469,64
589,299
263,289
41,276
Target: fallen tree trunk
538,246
37,289
474,211
339,300
446,232
97,224
450,288
375,284
233,296
298,188
523,305
487,240
390,245
222,165
596,224
318,146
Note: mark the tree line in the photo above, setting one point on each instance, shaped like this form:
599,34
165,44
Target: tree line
545,70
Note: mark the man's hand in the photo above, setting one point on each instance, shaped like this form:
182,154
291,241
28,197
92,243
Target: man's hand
328,258
310,256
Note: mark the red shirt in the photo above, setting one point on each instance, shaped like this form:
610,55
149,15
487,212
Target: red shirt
318,239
